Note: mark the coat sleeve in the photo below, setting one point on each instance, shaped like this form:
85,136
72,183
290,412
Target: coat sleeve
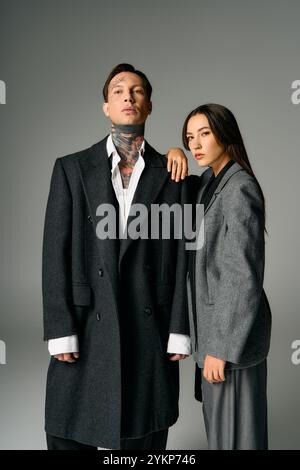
239,289
179,322
56,259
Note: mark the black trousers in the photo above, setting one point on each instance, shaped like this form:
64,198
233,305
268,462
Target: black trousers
156,440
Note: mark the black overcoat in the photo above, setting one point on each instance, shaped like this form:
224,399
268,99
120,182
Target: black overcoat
122,299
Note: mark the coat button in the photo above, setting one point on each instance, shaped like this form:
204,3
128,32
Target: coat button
148,311
100,272
98,316
90,218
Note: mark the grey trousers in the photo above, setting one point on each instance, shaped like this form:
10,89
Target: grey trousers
235,411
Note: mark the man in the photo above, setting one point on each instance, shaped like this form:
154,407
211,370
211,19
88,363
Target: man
115,309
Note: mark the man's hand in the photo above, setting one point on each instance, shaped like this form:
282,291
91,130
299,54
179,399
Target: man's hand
177,357
177,163
213,370
67,357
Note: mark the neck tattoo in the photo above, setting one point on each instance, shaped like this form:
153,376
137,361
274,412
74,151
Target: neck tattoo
128,140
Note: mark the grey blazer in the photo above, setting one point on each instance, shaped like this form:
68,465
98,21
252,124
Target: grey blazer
233,318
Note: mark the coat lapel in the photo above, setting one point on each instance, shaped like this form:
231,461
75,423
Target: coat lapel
229,173
150,184
96,178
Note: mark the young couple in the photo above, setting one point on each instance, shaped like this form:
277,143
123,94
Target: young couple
119,314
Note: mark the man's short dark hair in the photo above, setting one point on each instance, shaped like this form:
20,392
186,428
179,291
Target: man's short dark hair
126,68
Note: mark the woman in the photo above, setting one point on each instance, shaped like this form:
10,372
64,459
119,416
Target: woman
230,317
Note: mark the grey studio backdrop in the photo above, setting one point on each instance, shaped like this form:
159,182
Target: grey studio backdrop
55,56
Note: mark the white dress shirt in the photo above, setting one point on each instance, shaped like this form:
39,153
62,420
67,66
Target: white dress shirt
178,343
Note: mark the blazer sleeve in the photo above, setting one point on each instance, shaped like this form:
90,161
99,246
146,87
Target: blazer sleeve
240,285
56,258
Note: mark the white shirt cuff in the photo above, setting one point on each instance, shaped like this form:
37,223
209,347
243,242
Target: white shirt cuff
66,344
179,344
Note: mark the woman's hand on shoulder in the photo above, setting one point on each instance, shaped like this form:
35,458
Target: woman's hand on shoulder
177,164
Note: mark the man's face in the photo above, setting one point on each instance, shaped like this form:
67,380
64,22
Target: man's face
127,101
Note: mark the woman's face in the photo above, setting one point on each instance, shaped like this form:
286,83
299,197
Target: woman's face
203,145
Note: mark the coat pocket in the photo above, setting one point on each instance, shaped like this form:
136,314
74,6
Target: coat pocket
81,294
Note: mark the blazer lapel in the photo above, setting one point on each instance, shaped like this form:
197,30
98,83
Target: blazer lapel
229,173
150,184
96,179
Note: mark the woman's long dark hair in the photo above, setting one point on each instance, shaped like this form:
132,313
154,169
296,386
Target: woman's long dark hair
227,133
